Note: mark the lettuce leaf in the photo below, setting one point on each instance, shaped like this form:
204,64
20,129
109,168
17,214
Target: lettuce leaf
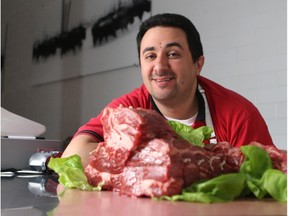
194,136
219,189
71,173
257,161
262,180
275,183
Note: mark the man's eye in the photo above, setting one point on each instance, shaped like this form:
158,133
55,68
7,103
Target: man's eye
173,54
150,56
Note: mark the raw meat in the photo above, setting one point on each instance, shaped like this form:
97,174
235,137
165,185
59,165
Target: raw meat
142,156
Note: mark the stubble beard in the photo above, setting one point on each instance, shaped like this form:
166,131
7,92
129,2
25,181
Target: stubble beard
169,96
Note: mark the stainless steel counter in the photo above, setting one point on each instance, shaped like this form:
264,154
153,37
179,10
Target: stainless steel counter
28,196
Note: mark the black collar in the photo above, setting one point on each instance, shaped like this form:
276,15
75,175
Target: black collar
201,106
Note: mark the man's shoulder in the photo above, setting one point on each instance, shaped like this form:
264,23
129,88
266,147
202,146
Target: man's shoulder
209,85
212,88
222,96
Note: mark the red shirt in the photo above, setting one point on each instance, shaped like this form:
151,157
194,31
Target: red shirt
235,119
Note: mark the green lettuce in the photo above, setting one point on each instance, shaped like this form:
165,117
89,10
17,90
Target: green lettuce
274,182
262,180
71,173
219,189
194,136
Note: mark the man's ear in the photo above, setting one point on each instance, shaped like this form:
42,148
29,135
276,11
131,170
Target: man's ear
199,64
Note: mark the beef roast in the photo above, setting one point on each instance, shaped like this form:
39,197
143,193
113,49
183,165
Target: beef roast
142,156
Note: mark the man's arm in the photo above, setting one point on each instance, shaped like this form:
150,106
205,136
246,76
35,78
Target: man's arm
81,145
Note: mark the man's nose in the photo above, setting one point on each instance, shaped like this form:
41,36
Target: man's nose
161,64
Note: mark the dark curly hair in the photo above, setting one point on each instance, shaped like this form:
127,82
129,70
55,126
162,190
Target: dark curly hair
177,21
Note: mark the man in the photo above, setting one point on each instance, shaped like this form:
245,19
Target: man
171,59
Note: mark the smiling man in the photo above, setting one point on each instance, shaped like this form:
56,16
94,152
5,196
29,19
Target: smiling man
171,58
169,71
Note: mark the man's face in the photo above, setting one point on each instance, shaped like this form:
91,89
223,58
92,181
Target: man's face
167,67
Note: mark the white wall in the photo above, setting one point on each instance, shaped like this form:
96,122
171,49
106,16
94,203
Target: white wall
245,44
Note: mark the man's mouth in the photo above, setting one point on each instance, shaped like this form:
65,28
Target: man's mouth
163,82
164,79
